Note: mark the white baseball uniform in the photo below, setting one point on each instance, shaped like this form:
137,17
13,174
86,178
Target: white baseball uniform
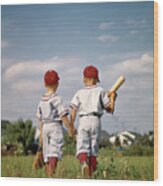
50,111
91,102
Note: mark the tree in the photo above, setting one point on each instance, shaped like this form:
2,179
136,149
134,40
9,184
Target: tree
20,132
146,139
104,140
4,124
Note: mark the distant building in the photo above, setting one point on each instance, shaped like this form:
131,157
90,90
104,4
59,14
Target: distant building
125,138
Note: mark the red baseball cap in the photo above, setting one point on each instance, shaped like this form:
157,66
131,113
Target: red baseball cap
51,77
91,72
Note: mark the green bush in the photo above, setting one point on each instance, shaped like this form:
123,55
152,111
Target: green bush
20,133
69,147
139,150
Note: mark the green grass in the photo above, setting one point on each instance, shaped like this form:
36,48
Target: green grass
109,167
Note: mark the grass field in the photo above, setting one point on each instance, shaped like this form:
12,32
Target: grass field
109,167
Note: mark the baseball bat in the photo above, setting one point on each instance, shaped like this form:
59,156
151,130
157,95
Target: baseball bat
114,88
117,84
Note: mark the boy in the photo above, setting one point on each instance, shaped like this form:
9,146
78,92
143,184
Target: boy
89,102
51,113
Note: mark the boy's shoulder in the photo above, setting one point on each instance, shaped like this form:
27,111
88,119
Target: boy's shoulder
95,87
85,89
79,91
100,88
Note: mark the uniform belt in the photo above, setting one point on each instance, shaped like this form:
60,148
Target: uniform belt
50,121
91,114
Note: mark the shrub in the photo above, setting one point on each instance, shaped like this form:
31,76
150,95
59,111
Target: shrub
139,150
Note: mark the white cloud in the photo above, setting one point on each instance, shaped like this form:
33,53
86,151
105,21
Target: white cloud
143,64
133,32
28,75
36,67
135,22
30,68
4,44
23,81
107,38
105,57
27,85
137,70
108,57
105,25
130,22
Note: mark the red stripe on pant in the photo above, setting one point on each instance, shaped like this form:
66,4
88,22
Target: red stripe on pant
82,158
51,165
92,163
53,162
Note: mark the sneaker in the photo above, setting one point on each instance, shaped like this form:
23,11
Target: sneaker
85,170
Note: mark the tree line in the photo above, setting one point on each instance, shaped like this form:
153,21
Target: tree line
18,138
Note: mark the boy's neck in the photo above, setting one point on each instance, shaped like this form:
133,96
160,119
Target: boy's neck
50,91
90,84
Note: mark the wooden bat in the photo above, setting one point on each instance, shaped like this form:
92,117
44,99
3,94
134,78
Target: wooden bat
114,88
117,84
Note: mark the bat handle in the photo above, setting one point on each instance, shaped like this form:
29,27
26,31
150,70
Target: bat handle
112,105
109,93
112,102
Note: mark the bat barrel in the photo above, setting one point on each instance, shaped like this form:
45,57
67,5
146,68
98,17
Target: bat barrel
118,83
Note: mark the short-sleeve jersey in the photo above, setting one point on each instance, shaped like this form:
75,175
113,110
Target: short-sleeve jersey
51,109
90,99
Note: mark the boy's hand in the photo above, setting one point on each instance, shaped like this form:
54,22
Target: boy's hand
41,137
112,95
41,140
72,132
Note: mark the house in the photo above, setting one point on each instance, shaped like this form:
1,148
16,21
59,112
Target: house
125,138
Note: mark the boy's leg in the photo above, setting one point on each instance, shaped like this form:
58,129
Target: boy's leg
95,136
83,159
82,155
92,164
55,143
83,145
52,165
47,168
88,164
45,149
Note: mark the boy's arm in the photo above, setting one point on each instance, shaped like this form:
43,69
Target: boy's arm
68,125
41,138
74,105
39,118
112,97
73,115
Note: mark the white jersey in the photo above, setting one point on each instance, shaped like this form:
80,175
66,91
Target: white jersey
90,100
51,109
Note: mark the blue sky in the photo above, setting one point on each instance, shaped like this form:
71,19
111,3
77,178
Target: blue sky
116,37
